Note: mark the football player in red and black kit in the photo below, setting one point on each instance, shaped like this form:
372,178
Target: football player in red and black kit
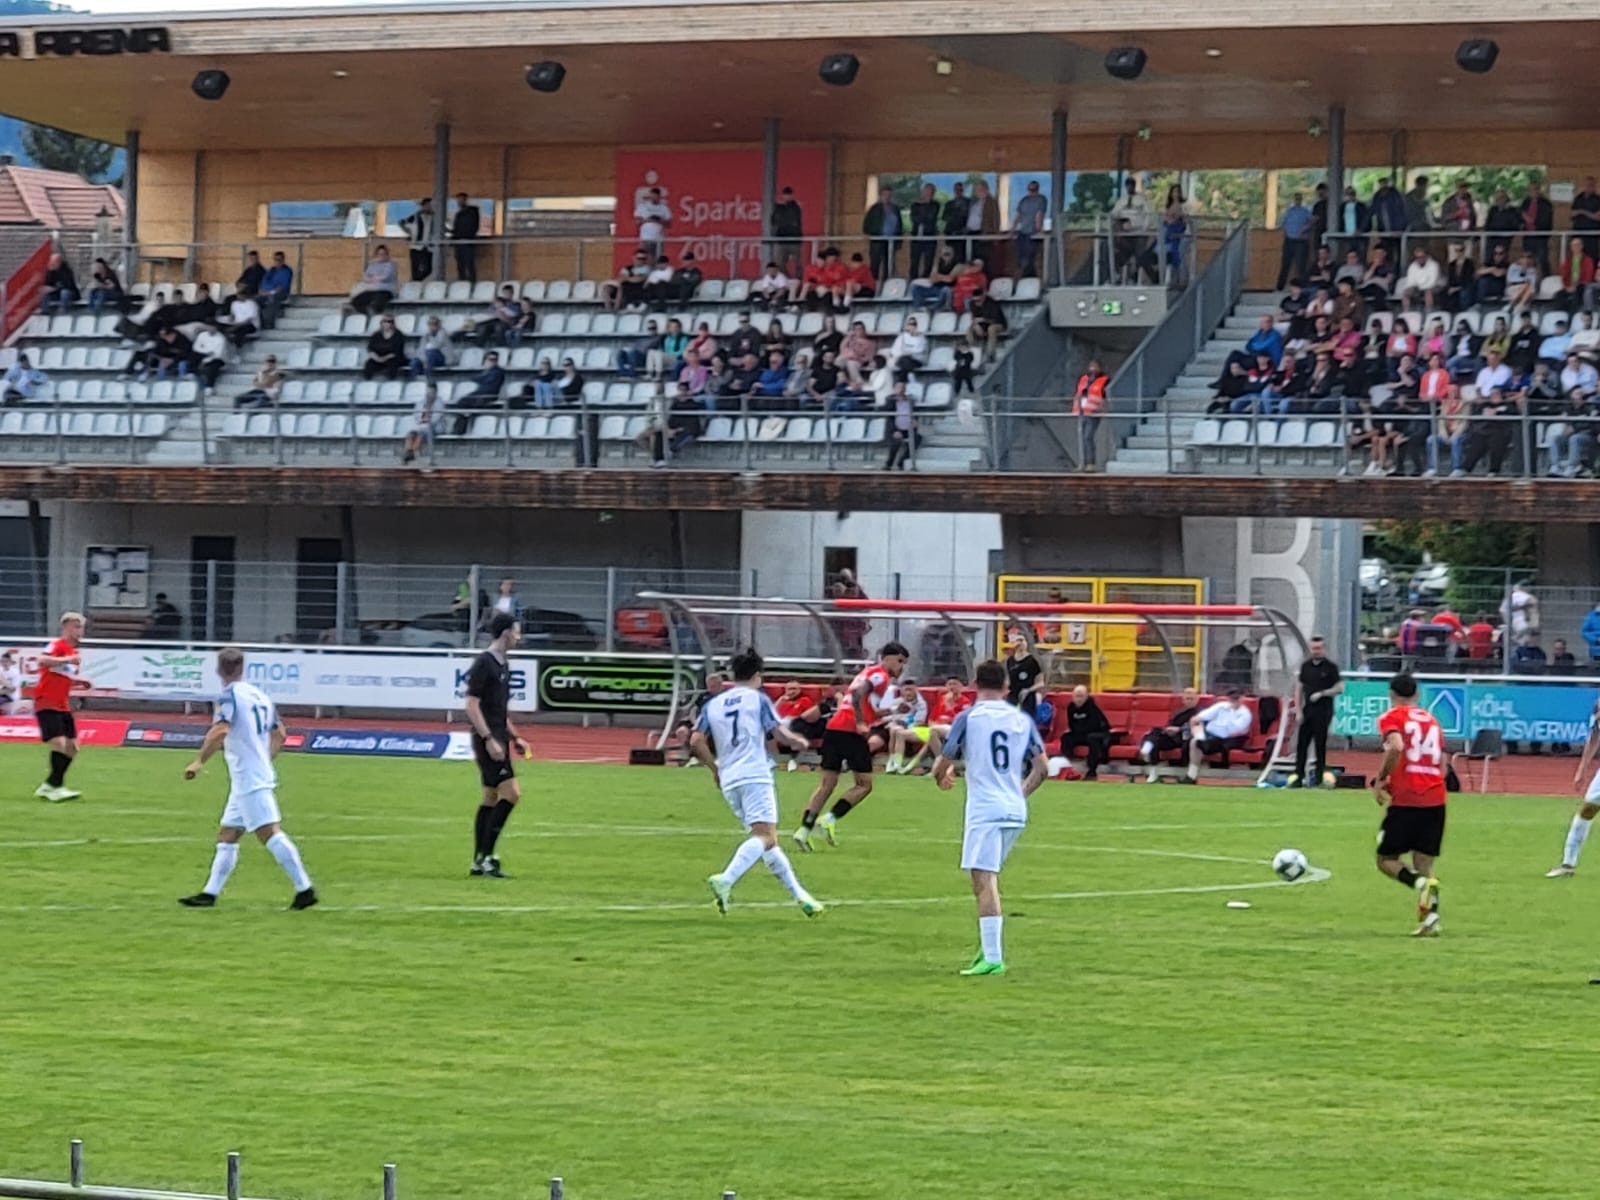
1410,787
59,677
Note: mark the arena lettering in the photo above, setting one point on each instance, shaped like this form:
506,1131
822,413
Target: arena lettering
98,43
10,45
706,212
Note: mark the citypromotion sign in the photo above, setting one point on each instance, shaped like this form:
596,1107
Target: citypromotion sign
1520,712
610,687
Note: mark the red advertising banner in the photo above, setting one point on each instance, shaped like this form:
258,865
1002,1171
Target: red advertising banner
714,197
92,731
20,295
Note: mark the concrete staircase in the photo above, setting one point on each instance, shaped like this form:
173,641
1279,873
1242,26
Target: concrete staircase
1145,452
184,443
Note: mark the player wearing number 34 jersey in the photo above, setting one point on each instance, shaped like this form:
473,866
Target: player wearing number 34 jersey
1005,763
1410,786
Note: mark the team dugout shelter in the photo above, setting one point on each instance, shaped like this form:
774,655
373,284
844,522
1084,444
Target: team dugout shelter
273,129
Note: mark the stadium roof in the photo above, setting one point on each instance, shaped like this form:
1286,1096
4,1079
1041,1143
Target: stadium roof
672,71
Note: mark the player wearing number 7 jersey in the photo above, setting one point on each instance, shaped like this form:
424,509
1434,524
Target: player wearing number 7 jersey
1005,763
248,731
1410,787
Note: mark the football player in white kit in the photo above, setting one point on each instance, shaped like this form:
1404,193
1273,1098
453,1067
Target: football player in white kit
1005,763
1578,832
249,732
731,739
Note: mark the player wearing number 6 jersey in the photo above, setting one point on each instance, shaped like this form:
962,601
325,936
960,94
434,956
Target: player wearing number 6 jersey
249,732
1410,786
1005,762
738,722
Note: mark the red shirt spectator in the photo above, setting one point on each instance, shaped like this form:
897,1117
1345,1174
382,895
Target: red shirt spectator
833,274
1480,639
861,276
967,284
948,705
1458,631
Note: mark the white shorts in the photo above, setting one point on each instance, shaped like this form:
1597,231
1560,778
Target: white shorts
754,803
1592,796
986,847
249,811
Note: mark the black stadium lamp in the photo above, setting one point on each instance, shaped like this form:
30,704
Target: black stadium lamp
1476,55
211,85
546,76
1125,62
840,70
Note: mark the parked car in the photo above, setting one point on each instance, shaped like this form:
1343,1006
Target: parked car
542,629
1378,591
1429,584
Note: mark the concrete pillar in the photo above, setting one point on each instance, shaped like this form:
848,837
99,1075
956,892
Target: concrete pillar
769,187
1335,162
130,202
1058,195
441,193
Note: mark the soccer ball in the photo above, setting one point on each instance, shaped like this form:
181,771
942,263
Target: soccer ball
1289,865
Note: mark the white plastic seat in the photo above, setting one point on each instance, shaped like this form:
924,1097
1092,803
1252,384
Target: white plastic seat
1235,433
406,323
533,289
1027,290
459,292
315,392
943,324
410,292
729,322
559,291
1550,287
594,392
347,358
890,323
613,428
521,359
596,358
619,393
106,325
1322,434
937,395
892,289
1547,323
153,425
1291,435
942,358
471,359
60,327
629,324
1002,289
52,358
718,429
799,429
483,292
578,324
100,359
66,390
552,324
366,392
434,291
603,324
77,358
737,291
535,428
335,425
585,291
323,358
562,428
1207,432
330,325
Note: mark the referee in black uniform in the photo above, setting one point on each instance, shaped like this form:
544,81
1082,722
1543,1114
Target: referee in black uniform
1318,684
493,740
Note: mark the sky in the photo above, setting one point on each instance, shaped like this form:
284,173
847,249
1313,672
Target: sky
111,7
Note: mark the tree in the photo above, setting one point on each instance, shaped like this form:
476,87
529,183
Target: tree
1480,554
1092,193
58,150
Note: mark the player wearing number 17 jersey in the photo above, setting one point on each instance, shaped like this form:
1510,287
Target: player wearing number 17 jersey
738,722
249,732
1410,786
1005,763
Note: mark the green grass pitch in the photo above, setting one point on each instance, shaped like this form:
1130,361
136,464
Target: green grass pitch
594,1018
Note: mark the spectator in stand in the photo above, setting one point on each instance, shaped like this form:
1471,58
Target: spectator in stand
542,390
435,351
1319,218
1321,272
1347,304
1088,402
744,340
1219,729
694,373
1378,280
719,381
1495,374
485,393
264,388
495,326
661,285
862,282
939,291
1386,214
1351,271
1572,444
674,348
653,216
106,289
386,352
525,324
684,422
464,229
1538,218
1424,278
1586,337
627,289
1132,220
22,381
275,289
787,226
983,221
1435,341
988,325
909,352
772,288
970,280
1577,275
688,279
1459,276
1293,309
419,229
1350,220
635,356
1590,632
1028,228
1171,738
1174,235
60,285
1458,212
380,283
1528,658
1489,432
741,386
243,320
211,355
424,425
1520,612
924,215
1088,729
1524,351
901,435
822,383
1294,257
1463,359
1555,348
1398,344
828,338
569,386
1419,218
771,383
703,343
953,222
1265,340
1503,218
856,353
172,354
776,340
884,224
929,738
881,381
1481,638
826,285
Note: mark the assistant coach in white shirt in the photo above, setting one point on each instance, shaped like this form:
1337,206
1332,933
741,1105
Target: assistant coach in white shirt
1222,727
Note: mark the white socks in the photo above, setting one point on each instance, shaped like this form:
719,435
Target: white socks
1194,771
222,864
743,859
989,937
289,859
778,863
1576,836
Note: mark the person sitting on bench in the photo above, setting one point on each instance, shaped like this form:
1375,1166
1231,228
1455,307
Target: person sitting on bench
1171,738
1087,728
1219,729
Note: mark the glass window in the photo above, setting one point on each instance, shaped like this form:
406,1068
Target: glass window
320,218
560,216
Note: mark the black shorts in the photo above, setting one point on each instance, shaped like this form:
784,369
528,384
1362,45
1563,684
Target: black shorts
841,749
54,725
1405,829
1211,745
491,771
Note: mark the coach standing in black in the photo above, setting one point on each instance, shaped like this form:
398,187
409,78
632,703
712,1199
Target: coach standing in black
1318,684
464,234
488,707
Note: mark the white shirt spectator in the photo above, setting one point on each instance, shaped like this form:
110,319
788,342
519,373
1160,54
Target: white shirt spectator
1424,276
26,382
1493,377
881,384
661,274
1521,611
425,421
211,344
1224,720
1586,340
1520,275
438,340
909,345
1135,209
772,283
652,216
10,684
1582,379
1555,346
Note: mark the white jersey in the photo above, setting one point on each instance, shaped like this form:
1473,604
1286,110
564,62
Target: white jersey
998,742
251,718
10,683
738,721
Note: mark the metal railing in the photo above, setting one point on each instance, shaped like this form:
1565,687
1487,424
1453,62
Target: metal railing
1548,246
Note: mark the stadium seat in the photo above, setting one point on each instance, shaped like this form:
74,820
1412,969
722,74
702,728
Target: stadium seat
559,291
484,292
1001,288
552,323
1549,288
893,289
578,324
1027,291
629,324
737,291
1207,432
604,324
585,291
891,322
